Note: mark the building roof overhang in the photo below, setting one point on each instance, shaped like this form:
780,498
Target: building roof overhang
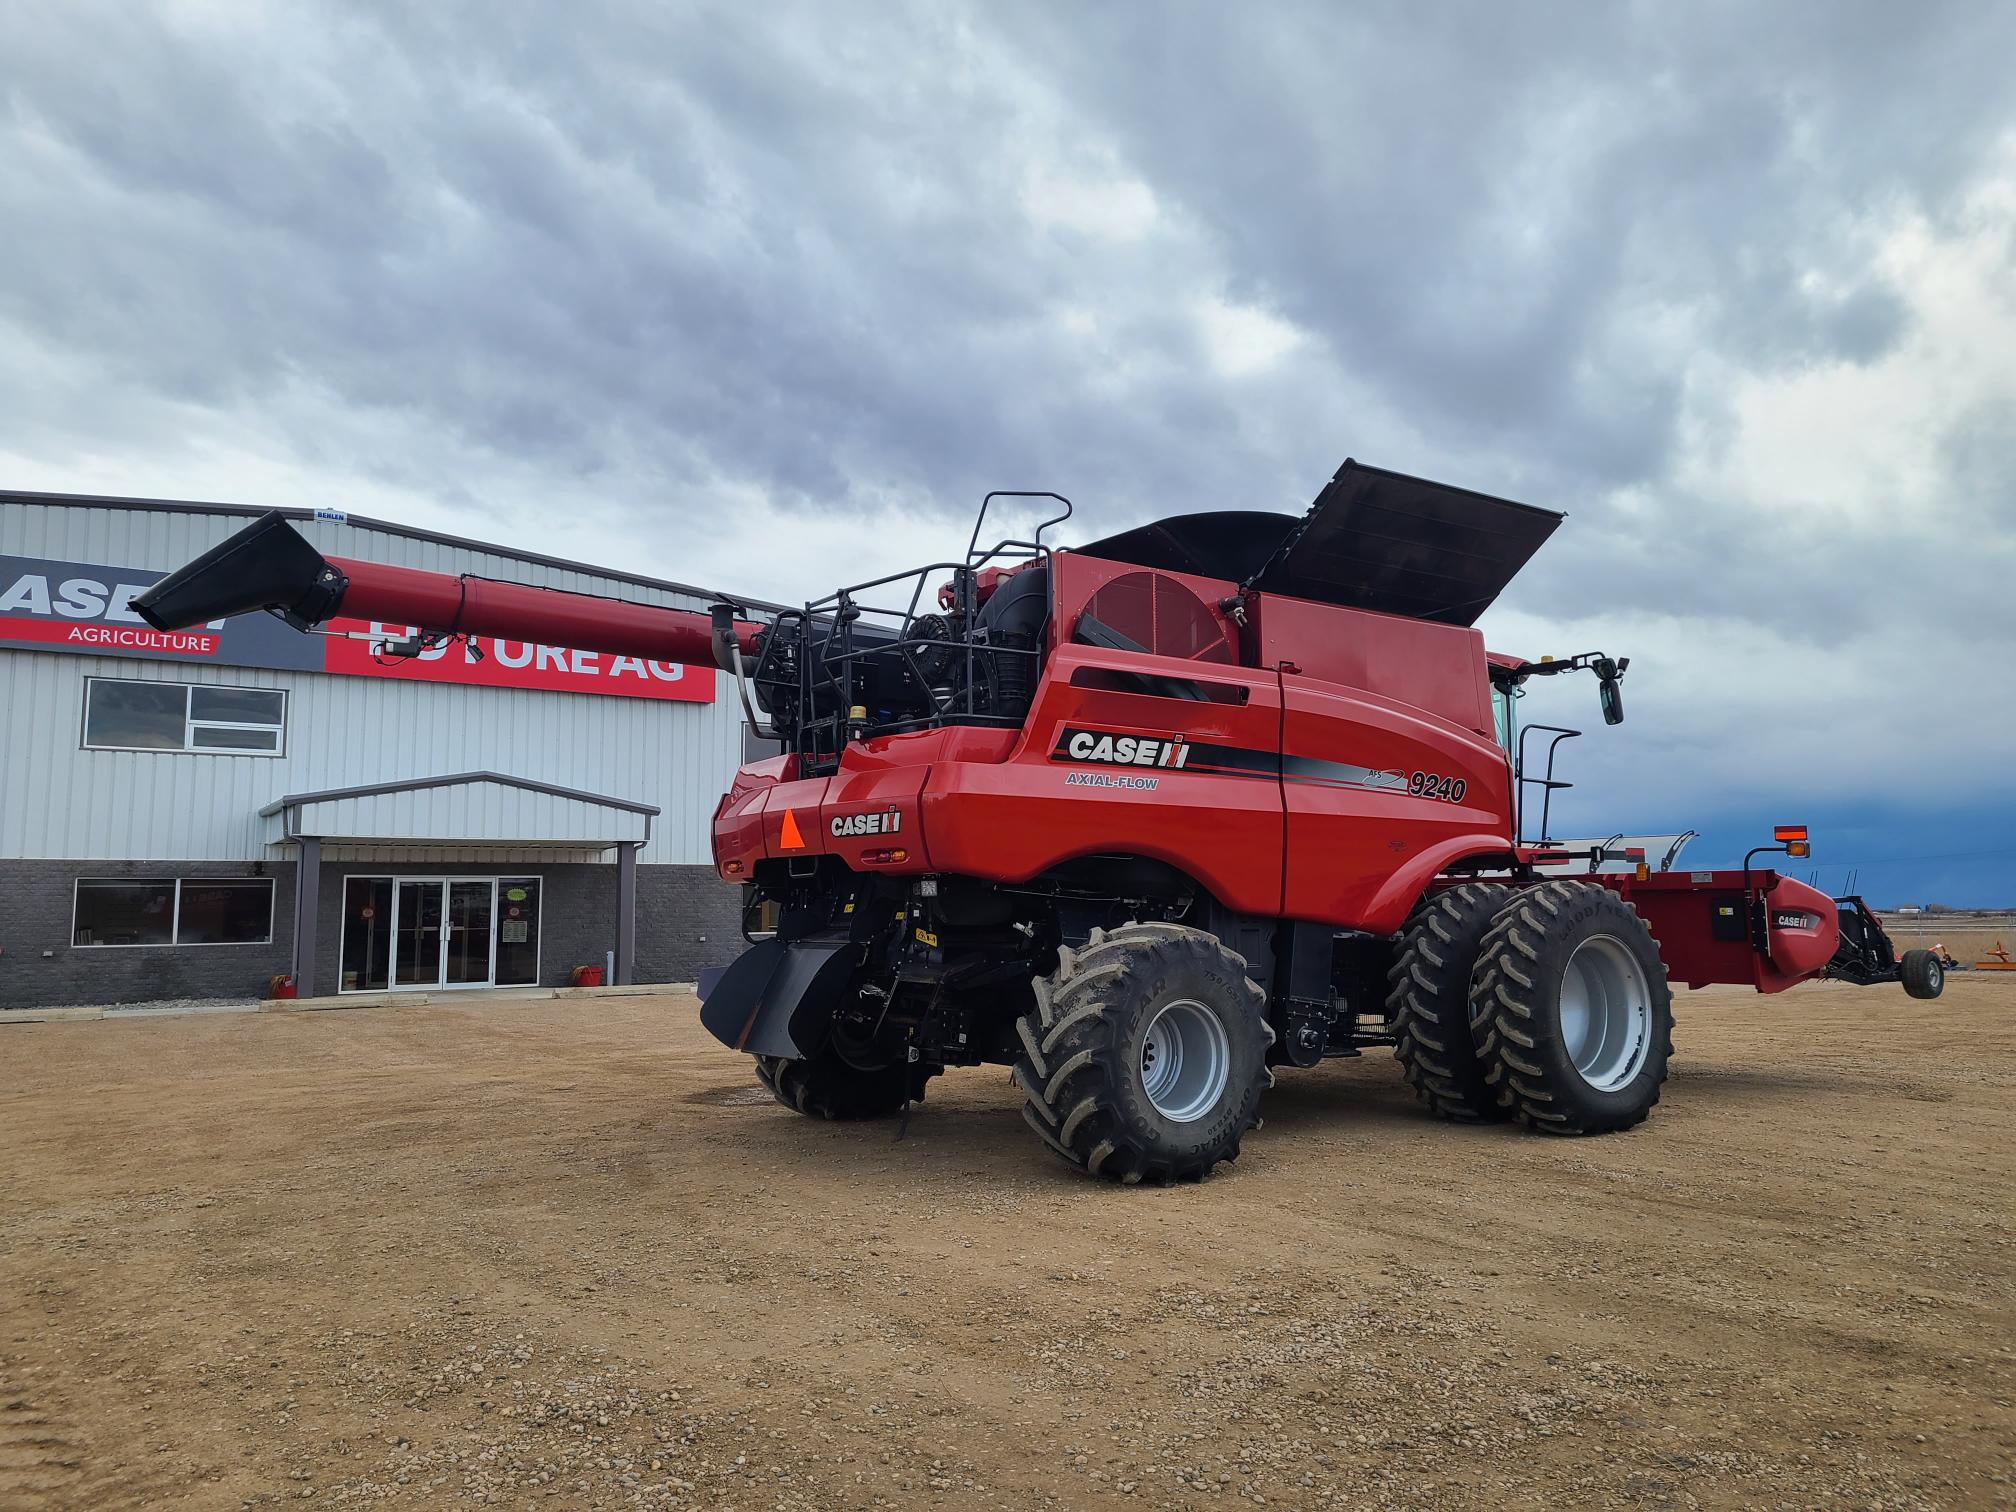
464,809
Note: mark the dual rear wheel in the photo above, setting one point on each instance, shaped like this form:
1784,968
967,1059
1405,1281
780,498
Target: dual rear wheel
1547,1004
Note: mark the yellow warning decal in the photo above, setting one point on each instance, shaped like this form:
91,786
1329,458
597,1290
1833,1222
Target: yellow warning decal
925,937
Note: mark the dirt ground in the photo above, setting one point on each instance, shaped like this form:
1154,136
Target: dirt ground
543,1253
1967,937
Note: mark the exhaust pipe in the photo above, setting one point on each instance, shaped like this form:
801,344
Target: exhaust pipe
267,565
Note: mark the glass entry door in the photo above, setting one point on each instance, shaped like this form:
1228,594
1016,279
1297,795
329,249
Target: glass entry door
406,932
466,946
417,930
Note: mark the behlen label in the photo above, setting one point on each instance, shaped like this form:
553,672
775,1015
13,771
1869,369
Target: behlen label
1104,748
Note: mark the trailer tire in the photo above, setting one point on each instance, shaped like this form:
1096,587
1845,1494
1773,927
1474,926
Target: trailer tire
1429,1003
1146,1054
1922,974
827,1087
1571,1009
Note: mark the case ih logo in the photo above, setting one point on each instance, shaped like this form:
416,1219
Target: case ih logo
849,826
1104,748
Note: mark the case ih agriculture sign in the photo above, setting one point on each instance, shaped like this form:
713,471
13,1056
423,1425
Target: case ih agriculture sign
78,606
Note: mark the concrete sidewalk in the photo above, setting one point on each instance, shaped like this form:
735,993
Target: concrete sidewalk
470,996
464,995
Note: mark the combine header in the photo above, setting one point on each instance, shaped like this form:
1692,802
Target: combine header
1151,818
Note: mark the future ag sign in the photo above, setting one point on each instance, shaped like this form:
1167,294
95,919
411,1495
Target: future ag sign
82,607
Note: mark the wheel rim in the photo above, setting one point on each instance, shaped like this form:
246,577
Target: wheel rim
1186,1060
1606,1013
1935,975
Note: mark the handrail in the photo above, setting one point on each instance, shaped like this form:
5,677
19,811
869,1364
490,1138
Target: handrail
1753,903
816,655
1015,493
1546,784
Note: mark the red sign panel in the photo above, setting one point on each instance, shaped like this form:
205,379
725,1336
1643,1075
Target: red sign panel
112,640
496,663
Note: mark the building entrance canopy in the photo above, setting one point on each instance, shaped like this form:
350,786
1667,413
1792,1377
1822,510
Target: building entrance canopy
414,934
470,808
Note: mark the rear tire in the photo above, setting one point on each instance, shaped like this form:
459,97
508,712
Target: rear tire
1922,974
1146,1054
827,1087
1571,1010
1429,1003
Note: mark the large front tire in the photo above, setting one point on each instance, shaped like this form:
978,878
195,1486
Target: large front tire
1571,1011
1429,1003
1146,1054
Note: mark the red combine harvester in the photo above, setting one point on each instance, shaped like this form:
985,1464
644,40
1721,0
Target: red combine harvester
1148,818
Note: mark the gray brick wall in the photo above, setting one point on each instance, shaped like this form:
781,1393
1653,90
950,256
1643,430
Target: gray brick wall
35,902
687,918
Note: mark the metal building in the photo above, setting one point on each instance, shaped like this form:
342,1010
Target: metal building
191,815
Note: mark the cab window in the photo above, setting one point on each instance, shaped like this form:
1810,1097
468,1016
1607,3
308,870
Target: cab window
1503,716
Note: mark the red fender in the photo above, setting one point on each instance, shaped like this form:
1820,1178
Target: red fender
1394,901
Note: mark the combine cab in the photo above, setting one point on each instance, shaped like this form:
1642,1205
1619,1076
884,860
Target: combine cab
1151,819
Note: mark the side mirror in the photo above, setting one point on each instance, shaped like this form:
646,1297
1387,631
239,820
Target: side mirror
1612,697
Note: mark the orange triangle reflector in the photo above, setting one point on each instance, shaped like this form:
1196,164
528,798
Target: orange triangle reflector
789,838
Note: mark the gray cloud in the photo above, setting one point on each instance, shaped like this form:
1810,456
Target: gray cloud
675,266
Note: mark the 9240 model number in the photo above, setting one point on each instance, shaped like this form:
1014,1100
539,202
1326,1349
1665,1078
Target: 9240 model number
1432,785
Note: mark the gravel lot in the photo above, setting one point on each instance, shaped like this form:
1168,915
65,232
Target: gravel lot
566,1253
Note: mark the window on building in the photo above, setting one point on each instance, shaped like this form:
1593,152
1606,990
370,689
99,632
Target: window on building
163,716
173,911
517,931
367,934
224,911
125,913
136,716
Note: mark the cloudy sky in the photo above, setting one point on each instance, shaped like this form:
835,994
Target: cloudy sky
765,297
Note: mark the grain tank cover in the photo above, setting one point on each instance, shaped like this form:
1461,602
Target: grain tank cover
1382,540
1229,543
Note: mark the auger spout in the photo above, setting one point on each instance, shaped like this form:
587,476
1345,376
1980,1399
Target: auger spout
270,566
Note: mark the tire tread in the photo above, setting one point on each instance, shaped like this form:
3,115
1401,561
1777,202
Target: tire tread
1066,1068
1428,1003
1509,1008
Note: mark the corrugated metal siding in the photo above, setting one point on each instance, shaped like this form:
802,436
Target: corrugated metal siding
483,858
60,801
